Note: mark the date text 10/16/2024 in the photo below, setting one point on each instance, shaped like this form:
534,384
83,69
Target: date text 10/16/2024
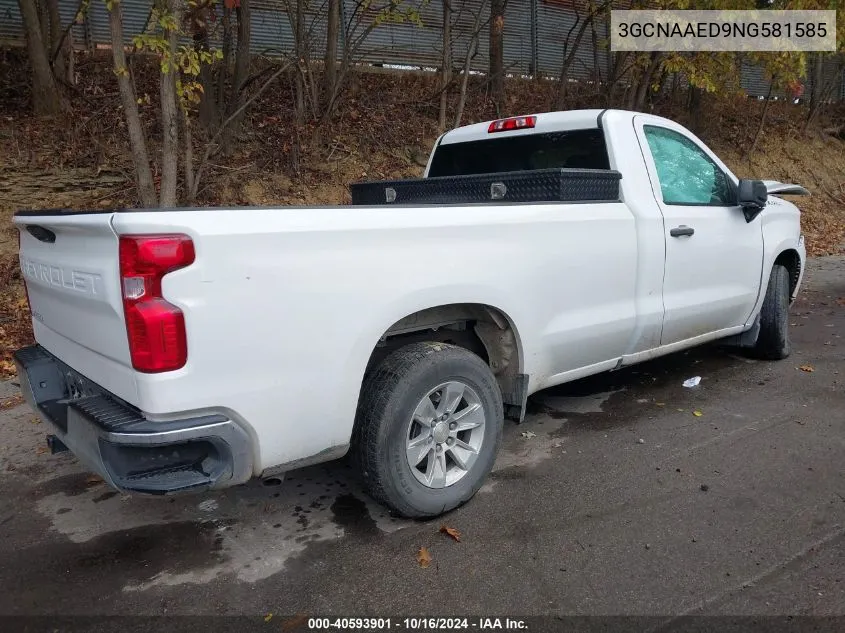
416,624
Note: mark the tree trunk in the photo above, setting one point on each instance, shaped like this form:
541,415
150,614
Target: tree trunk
43,22
46,99
299,48
568,58
242,59
816,89
446,61
462,99
330,60
137,141
594,42
750,150
244,13
640,94
208,113
472,51
55,51
223,75
169,114
497,53
615,65
695,111
190,187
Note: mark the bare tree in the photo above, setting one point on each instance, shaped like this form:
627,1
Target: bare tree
46,99
223,81
223,73
137,139
641,87
471,52
570,47
330,61
363,17
62,54
446,62
696,113
750,149
242,59
169,111
200,15
823,85
301,52
497,52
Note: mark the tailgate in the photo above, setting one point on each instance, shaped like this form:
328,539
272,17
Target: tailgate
71,268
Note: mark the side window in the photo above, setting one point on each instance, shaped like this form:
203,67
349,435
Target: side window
687,175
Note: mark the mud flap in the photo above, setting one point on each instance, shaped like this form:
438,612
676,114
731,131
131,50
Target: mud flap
747,338
515,397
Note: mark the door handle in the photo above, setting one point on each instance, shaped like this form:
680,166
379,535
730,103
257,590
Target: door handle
680,231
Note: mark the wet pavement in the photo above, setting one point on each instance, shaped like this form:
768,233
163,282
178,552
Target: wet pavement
614,497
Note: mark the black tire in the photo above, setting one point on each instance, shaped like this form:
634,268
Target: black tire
773,339
389,397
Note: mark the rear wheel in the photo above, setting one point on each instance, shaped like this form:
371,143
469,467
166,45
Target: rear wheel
773,339
428,428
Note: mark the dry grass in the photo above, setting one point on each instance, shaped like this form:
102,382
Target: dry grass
384,130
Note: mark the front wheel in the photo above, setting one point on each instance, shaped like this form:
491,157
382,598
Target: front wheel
428,428
773,339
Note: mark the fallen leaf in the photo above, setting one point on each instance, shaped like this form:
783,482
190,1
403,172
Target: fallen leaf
528,434
296,622
93,480
450,531
40,450
807,368
697,414
11,403
424,558
268,617
660,404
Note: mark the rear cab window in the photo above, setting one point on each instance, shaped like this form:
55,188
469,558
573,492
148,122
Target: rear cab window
572,149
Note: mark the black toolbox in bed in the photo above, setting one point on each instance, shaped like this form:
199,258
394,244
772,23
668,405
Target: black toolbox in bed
539,185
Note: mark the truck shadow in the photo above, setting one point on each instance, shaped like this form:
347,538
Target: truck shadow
601,401
248,532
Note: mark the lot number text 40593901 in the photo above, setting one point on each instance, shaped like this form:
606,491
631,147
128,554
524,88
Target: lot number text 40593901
416,624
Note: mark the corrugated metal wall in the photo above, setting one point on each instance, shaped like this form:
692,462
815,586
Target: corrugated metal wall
536,34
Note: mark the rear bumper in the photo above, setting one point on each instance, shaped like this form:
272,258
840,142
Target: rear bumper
117,442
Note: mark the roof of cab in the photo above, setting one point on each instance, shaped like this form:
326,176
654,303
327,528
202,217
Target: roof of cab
546,122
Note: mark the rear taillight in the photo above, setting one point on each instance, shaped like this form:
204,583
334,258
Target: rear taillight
515,123
157,338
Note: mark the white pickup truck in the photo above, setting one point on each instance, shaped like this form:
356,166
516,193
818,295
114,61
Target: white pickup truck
187,349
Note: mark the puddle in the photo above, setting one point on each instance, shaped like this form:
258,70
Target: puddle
543,442
256,529
591,403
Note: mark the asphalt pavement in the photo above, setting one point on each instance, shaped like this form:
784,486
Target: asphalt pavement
622,494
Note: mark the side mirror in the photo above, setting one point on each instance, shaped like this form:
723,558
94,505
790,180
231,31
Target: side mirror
752,196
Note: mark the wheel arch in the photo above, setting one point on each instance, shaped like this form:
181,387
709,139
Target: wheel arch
481,328
791,260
